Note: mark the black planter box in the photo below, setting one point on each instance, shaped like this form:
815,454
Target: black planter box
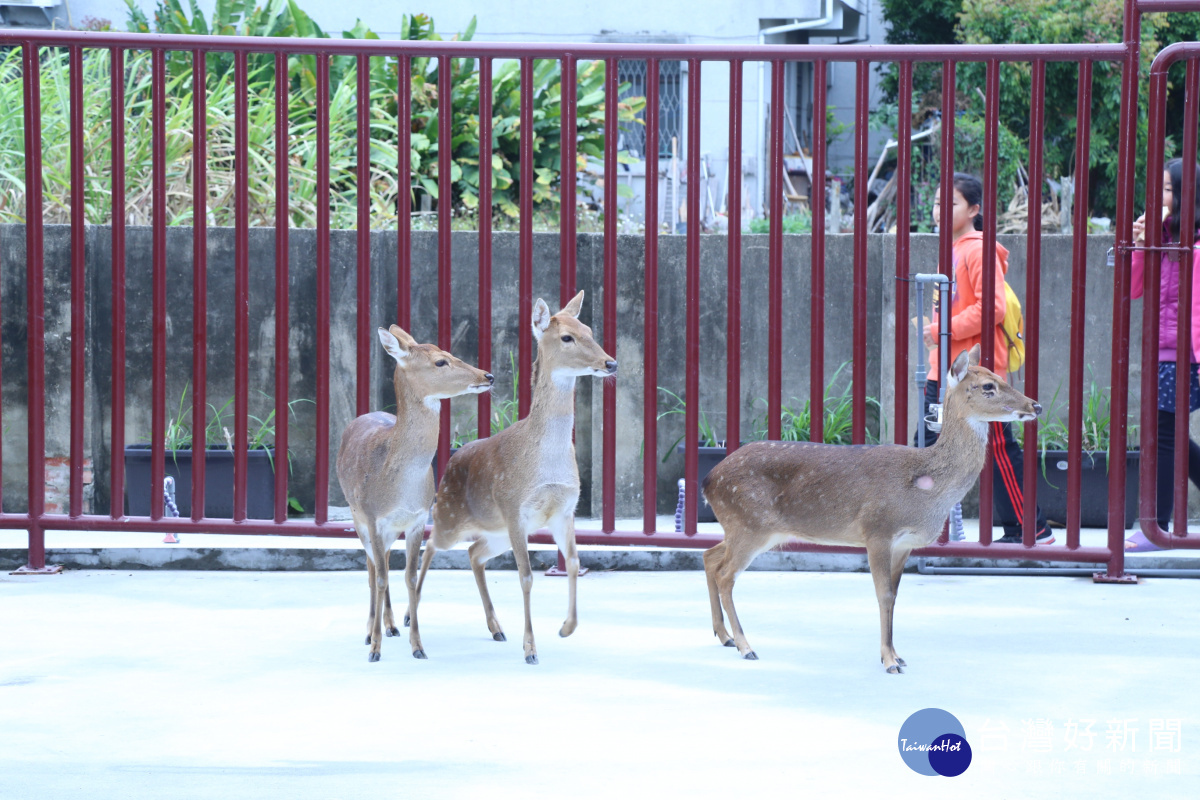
1093,491
709,457
218,482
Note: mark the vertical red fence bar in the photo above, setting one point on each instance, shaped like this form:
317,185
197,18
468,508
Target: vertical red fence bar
241,276
323,311
650,308
817,198
78,281
199,278
445,215
404,192
733,280
691,426
117,123
991,149
1126,191
158,401
35,303
568,100
484,413
858,432
1083,115
1187,238
282,294
364,351
1155,145
525,243
903,222
945,242
774,181
1033,290
611,213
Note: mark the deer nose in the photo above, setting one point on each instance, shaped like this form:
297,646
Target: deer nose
611,366
1037,409
490,378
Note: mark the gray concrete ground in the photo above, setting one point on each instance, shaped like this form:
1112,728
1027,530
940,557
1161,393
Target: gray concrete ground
181,684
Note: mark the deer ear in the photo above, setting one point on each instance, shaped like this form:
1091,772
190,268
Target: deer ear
958,370
393,345
975,355
406,341
571,309
541,318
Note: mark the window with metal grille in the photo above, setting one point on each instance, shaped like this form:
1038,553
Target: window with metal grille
670,106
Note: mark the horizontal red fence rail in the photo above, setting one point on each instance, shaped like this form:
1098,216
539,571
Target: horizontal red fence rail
328,303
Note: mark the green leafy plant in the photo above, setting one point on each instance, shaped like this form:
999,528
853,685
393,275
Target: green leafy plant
678,406
260,434
505,411
838,416
797,222
285,18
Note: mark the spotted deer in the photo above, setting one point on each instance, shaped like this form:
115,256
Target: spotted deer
501,489
384,467
889,499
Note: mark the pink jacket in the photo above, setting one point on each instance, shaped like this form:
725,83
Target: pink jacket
1168,317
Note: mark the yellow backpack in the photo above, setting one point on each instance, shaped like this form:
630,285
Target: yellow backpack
1013,326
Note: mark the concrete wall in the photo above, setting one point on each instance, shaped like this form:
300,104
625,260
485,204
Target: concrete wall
1056,296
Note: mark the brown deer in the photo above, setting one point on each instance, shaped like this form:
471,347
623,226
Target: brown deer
889,499
383,466
501,489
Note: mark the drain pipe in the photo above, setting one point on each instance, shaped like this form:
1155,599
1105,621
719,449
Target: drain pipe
924,568
760,136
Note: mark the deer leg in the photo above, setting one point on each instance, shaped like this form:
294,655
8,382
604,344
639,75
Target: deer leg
879,558
899,559
412,551
371,586
563,530
712,562
379,591
520,548
739,554
480,551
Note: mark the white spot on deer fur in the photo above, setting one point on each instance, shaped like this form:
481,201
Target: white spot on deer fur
925,482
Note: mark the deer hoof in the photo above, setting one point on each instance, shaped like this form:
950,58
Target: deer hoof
406,620
531,659
419,654
393,631
751,656
368,641
730,643
900,661
499,636
895,670
373,657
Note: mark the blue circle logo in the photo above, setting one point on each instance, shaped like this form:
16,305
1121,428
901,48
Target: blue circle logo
934,742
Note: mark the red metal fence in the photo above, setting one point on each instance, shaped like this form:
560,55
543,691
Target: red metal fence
37,521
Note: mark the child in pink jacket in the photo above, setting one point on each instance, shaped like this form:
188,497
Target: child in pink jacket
1168,337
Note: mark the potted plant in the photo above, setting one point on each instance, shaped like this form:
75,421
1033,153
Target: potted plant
1053,440
218,465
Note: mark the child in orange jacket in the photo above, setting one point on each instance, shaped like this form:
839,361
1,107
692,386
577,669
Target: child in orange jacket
966,330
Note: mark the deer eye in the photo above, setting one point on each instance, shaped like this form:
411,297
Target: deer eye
989,387
568,339
441,362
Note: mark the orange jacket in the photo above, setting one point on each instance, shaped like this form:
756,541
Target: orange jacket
966,310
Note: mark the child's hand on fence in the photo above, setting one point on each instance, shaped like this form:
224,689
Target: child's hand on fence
1139,228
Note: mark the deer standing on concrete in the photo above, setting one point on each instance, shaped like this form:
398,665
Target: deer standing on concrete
501,489
889,499
383,466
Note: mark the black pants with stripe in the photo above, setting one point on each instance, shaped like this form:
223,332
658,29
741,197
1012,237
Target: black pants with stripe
1008,471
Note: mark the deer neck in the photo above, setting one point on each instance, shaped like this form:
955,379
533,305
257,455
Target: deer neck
552,410
960,450
415,435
